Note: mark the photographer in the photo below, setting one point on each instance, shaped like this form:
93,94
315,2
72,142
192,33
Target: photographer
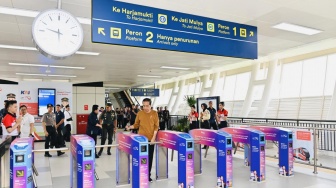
68,124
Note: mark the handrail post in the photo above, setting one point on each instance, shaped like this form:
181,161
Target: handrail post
315,151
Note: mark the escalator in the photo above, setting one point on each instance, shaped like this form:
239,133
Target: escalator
124,99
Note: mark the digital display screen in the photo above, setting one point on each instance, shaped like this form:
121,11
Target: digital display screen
88,167
290,136
262,148
290,145
144,148
262,138
87,153
190,156
45,97
19,173
19,158
228,141
228,152
144,161
189,145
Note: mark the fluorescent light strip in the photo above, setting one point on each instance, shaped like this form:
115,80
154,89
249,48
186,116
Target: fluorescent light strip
149,76
33,14
297,29
67,76
49,75
34,49
30,65
65,67
110,88
176,68
27,74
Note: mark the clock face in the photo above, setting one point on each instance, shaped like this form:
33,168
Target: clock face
57,34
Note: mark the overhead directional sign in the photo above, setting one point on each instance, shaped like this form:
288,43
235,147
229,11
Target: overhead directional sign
128,24
145,92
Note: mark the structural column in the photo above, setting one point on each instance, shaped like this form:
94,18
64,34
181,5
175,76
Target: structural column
179,97
266,97
249,96
171,97
332,109
155,99
204,81
214,85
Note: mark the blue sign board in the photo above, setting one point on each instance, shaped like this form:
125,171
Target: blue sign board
145,92
127,24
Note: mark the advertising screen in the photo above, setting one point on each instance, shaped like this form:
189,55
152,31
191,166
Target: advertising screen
45,96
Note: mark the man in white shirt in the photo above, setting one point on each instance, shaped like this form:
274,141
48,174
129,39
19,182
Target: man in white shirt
27,123
68,123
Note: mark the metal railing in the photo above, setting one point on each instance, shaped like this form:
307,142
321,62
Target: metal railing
326,129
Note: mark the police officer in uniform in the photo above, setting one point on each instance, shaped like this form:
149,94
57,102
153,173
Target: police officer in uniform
49,127
60,125
108,120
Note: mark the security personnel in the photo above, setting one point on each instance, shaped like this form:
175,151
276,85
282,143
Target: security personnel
108,119
49,127
212,119
166,117
93,125
60,125
161,120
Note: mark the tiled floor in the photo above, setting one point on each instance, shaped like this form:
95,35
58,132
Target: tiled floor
55,173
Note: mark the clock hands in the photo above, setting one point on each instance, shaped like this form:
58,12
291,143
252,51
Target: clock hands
55,31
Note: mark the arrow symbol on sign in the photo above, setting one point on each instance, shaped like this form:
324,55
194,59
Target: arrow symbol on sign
251,33
101,31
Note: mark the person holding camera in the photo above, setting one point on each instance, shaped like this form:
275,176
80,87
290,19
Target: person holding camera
68,123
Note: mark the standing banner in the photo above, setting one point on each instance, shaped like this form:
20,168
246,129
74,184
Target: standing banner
28,95
303,145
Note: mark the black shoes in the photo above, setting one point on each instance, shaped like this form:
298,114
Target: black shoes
109,153
150,180
47,155
60,153
97,156
204,147
100,152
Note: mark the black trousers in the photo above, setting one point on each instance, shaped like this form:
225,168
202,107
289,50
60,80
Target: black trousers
222,124
135,131
193,125
94,137
166,124
162,126
51,139
125,122
205,124
59,136
120,121
107,132
150,158
67,132
213,124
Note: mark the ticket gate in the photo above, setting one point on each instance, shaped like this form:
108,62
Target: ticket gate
284,137
184,144
82,162
255,140
222,141
5,142
21,163
136,146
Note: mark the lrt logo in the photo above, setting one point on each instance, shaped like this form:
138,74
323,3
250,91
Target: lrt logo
162,19
20,147
255,138
25,92
283,136
222,141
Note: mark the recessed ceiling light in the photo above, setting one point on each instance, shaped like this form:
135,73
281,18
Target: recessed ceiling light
32,80
176,68
149,76
297,29
33,14
34,49
66,76
28,74
28,64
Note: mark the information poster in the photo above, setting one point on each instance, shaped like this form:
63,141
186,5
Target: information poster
303,145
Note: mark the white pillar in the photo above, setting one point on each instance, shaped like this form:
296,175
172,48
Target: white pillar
332,109
266,97
249,97
214,85
179,97
204,83
173,94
